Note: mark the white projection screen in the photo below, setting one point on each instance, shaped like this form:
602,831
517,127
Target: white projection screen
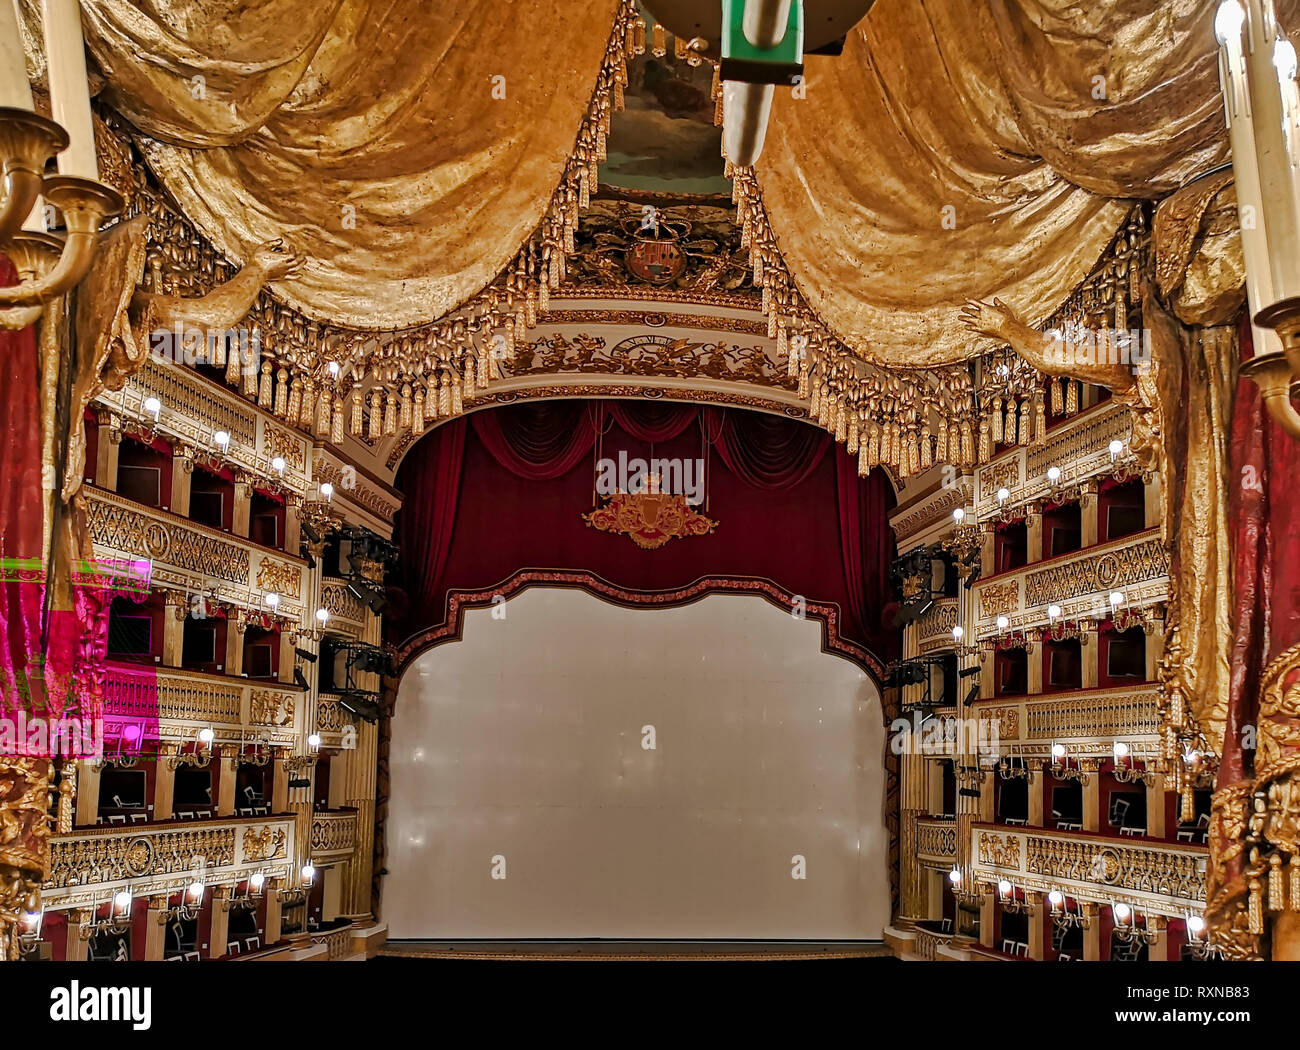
519,751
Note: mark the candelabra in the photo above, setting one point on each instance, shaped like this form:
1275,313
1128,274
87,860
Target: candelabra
1199,946
190,905
965,887
1059,628
116,922
254,749
1061,768
1257,73
197,757
1066,917
1127,772
1012,900
1013,767
1135,927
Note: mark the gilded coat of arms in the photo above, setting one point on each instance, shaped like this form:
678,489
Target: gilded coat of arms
651,518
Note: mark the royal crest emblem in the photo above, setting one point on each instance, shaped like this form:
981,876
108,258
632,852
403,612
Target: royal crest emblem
654,253
650,518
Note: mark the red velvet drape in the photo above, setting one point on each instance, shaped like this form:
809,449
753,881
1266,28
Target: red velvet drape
21,513
766,451
509,491
432,489
542,440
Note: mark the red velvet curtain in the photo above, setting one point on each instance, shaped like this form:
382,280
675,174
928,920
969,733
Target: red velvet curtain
539,440
428,516
21,513
766,451
653,421
810,523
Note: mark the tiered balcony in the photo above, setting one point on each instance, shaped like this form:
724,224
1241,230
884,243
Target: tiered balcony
90,865
1157,877
184,702
333,835
194,558
1087,723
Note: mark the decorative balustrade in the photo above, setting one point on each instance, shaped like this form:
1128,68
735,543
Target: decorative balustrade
347,614
936,841
927,943
1087,723
333,835
89,865
1081,583
184,702
1164,878
194,409
934,629
1081,448
194,558
339,942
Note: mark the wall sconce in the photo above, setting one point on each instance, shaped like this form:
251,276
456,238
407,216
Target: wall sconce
1013,767
1061,768
190,905
308,874
966,536
959,646
313,741
1126,771
260,746
147,418
248,898
1010,899
29,929
965,888
1066,917
1198,939
1133,926
200,756
118,920
1125,619
1059,629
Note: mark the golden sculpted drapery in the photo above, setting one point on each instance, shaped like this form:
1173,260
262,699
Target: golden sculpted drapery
1031,120
406,148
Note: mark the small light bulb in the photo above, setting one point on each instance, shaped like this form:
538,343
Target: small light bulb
1004,494
322,616
1056,898
221,438
1053,612
1122,912
1121,749
32,919
954,876
1116,447
1004,887
1228,21
196,891
326,491
1053,474
334,368
1284,59
1058,750
1196,924
272,599
256,880
206,735
122,900
1004,622
308,872
957,633
278,464
1116,597
959,515
313,741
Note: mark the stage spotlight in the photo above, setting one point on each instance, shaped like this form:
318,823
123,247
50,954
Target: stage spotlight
972,695
311,534
968,792
300,678
304,654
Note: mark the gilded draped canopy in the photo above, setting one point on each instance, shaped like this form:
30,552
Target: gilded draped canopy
958,148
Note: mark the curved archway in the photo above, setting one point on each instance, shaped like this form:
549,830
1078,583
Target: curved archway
570,769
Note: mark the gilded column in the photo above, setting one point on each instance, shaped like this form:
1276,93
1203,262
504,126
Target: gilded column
24,834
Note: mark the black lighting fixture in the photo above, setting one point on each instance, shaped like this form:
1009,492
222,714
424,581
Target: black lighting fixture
300,678
299,782
969,792
313,535
973,695
304,654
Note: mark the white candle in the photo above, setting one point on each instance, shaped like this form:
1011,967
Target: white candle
65,53
14,89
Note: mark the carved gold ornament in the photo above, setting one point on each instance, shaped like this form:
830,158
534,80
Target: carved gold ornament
649,519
